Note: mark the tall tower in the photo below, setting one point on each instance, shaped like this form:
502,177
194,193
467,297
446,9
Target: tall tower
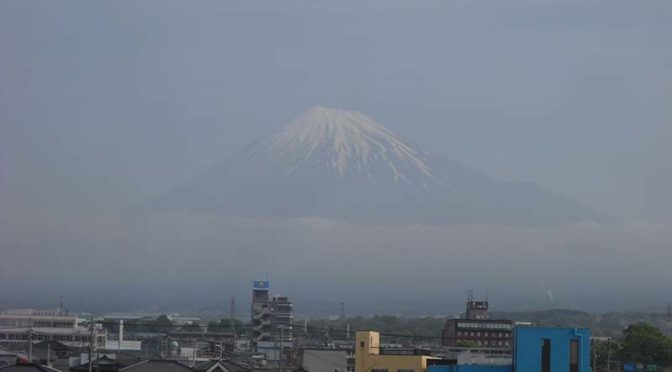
261,313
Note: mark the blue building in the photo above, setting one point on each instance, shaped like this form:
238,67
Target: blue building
539,349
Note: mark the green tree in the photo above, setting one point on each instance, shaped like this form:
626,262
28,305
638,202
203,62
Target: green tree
601,351
646,344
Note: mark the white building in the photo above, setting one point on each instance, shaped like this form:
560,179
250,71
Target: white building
23,325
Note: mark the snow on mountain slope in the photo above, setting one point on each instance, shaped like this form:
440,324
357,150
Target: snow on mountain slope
340,164
346,142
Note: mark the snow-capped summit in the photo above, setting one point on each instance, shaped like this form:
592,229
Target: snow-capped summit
345,142
341,164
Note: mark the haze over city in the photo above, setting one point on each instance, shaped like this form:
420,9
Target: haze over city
165,152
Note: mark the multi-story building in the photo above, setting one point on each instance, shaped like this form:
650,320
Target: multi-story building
261,314
271,321
477,329
281,319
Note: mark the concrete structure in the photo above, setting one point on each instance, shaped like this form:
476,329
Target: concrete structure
370,357
477,328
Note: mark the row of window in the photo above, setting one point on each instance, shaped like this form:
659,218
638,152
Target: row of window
484,334
40,337
485,325
385,370
492,343
20,323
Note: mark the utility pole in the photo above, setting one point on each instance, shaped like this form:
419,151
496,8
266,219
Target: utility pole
91,343
49,355
282,335
232,318
609,355
594,350
30,344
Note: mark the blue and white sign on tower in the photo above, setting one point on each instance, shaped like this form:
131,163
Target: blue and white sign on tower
261,284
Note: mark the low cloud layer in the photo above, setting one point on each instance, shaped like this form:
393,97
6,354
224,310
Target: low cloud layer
602,267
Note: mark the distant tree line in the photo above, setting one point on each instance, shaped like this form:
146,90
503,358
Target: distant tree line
161,324
639,343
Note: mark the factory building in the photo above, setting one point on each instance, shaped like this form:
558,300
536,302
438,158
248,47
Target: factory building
477,329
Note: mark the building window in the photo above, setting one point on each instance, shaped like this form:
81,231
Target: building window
574,356
405,370
546,355
379,370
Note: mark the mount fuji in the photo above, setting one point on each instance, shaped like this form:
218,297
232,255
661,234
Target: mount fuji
341,164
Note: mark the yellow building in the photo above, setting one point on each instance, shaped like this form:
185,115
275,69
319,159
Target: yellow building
368,357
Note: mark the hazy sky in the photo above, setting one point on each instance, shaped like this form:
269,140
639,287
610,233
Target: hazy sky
105,104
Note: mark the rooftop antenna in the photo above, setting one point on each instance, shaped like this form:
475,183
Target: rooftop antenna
470,296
